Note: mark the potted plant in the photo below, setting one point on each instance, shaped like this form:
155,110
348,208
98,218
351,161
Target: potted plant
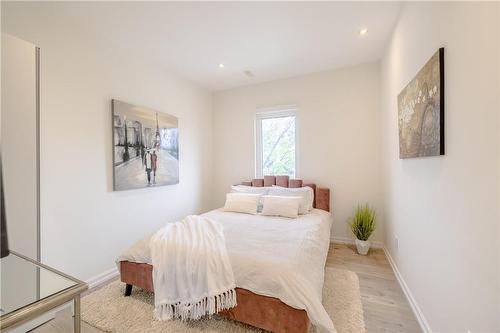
362,226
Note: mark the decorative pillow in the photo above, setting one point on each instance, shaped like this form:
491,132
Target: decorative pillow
305,193
242,203
281,206
252,189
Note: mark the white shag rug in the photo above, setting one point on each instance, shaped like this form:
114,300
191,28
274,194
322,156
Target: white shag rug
110,311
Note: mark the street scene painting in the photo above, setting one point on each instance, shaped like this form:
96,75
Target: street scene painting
421,111
145,147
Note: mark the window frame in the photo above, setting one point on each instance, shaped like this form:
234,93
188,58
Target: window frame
279,111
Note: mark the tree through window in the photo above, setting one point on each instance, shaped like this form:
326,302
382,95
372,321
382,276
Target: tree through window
276,143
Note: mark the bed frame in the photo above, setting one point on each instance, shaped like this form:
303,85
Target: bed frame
264,312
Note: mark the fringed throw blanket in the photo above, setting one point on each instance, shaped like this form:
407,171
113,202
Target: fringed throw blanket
192,275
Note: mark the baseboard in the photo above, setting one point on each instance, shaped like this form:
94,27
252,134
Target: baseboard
350,241
102,278
424,325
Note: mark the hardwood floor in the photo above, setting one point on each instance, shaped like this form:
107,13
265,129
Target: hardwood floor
385,306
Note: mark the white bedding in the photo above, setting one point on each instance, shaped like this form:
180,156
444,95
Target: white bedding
273,256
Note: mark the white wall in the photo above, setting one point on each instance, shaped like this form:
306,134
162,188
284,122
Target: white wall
445,209
338,136
19,138
84,224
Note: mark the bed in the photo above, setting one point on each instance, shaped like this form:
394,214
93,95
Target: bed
278,263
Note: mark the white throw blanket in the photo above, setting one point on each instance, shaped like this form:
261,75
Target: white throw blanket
192,274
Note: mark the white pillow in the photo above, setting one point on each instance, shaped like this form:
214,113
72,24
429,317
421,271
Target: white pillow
281,206
242,202
305,193
264,190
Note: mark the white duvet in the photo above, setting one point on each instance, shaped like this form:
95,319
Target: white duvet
273,256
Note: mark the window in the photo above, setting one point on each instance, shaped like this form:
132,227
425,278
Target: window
275,143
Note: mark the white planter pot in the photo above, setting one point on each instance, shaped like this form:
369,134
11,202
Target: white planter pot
362,246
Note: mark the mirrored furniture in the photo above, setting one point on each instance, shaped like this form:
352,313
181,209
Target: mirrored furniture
30,289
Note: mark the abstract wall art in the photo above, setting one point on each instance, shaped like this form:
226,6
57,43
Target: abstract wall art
421,111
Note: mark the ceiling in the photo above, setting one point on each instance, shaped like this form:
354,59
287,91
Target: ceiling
273,40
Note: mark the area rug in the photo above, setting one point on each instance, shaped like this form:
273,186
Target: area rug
108,310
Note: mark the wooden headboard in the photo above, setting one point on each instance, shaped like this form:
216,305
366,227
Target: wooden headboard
321,194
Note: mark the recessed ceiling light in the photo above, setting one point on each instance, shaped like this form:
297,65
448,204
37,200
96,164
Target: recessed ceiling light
363,31
221,65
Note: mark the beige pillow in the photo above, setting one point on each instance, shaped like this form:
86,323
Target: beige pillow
285,206
242,203
305,193
252,189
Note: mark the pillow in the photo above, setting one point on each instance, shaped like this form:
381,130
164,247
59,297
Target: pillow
281,206
242,202
264,190
252,189
305,193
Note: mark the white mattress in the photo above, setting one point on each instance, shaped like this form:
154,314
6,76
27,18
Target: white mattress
272,256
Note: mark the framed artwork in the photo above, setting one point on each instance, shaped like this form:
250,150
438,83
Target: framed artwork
421,111
145,147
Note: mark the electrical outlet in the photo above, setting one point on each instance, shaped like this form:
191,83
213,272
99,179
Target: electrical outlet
396,242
